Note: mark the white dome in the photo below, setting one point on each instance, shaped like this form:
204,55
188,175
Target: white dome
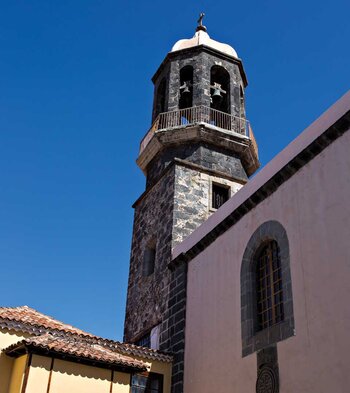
202,38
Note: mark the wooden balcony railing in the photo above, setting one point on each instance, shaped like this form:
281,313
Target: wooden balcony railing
195,115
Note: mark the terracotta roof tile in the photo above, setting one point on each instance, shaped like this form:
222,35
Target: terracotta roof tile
77,347
26,319
29,316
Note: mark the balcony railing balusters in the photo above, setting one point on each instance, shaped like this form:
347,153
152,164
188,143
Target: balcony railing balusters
195,115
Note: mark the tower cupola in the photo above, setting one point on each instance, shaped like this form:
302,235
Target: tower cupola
201,37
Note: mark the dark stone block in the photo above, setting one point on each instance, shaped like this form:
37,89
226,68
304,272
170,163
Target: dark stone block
275,333
261,339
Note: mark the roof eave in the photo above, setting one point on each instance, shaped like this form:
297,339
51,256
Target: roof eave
21,348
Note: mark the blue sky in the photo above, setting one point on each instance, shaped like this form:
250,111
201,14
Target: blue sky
75,100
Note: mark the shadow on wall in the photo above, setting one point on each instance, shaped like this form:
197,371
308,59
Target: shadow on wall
81,370
6,364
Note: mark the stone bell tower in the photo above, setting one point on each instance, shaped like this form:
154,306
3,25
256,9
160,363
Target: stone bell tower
198,153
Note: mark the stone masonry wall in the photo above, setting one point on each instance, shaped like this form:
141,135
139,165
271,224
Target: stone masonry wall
198,153
192,200
202,63
192,194
169,211
147,296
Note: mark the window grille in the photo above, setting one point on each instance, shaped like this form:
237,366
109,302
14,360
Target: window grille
269,286
220,194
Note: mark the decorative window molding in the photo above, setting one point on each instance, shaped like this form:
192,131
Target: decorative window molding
254,339
268,372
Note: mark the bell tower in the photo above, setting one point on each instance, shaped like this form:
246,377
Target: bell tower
198,152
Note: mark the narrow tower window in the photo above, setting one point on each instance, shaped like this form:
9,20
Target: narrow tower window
220,194
149,258
186,87
269,286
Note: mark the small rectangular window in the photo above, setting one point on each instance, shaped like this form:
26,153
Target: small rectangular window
147,383
144,341
220,194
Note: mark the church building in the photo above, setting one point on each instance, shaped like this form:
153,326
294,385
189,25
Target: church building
237,283
244,280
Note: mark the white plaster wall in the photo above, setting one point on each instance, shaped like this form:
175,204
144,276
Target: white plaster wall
314,208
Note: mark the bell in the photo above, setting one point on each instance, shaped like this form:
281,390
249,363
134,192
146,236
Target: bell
185,88
217,94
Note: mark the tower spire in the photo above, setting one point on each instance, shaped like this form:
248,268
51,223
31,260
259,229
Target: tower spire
200,25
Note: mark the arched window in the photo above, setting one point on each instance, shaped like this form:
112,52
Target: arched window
220,89
241,103
269,291
160,97
266,289
186,87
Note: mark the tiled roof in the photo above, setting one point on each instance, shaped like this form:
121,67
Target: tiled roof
17,316
75,347
26,319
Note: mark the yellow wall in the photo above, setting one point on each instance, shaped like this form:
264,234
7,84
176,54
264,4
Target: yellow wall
78,378
75,377
66,377
6,363
38,376
121,382
18,370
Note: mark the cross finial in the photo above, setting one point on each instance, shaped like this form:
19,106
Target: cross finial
200,22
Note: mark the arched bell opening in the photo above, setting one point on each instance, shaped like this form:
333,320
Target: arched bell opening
220,89
242,119
186,94
241,103
160,97
186,87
